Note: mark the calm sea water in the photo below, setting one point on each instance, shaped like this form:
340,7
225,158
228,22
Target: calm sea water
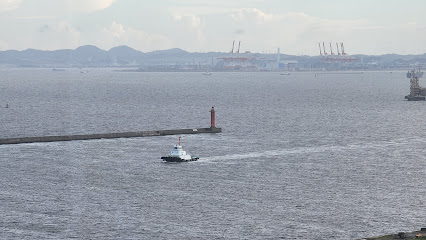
337,156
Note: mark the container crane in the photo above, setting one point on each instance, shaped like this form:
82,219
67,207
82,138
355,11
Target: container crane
342,48
323,46
239,43
337,46
232,50
340,56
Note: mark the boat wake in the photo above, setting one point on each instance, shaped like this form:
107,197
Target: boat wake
316,149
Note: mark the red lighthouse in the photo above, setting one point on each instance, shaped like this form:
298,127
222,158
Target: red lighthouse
213,118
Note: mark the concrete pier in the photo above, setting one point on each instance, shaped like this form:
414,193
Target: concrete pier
211,129
109,135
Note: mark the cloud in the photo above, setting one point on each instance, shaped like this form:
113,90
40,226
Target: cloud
36,17
254,15
295,29
299,19
44,28
197,7
49,36
117,34
60,27
89,5
9,5
189,20
201,26
192,28
239,31
299,33
63,33
3,45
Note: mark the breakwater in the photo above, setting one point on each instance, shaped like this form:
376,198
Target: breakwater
108,135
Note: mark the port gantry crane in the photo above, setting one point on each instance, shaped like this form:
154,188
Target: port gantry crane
341,55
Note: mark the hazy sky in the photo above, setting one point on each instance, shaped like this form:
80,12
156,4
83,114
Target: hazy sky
295,26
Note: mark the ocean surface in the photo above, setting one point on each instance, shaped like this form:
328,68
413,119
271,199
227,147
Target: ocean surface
333,156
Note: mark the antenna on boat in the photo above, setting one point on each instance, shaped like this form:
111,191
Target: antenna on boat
179,141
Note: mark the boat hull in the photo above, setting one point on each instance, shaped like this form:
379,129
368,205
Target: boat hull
415,98
178,159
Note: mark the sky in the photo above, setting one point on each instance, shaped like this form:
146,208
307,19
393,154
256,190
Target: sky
372,27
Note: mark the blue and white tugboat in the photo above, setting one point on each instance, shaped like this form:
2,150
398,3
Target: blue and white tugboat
179,155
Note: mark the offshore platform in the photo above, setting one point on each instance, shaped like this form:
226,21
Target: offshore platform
417,93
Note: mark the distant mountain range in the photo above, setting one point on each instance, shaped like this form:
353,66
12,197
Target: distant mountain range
124,56
92,56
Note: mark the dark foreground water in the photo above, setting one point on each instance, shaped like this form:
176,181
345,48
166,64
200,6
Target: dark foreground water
338,156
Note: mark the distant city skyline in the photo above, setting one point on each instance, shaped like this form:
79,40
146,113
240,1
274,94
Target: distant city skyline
371,27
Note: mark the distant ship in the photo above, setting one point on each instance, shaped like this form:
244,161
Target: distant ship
417,93
207,73
179,155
